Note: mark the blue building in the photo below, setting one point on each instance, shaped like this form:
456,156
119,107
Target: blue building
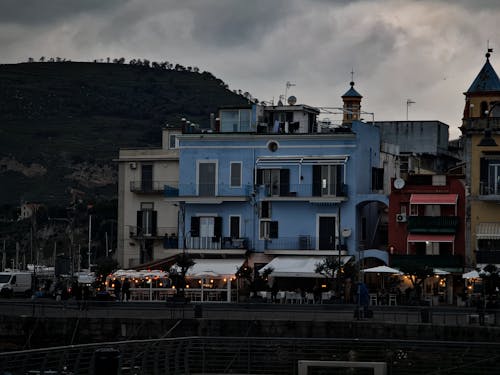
270,182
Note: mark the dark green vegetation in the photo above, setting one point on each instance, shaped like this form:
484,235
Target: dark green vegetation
62,124
61,120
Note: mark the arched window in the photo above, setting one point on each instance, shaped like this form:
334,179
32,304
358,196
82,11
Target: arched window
484,109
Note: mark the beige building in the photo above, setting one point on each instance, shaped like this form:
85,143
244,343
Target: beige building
481,135
147,224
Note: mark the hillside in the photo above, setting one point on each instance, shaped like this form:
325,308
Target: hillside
62,123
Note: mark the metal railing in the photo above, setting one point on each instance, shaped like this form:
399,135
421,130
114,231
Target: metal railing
302,190
253,355
432,224
148,186
153,233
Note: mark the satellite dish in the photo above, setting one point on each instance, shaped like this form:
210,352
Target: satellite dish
399,183
292,100
346,232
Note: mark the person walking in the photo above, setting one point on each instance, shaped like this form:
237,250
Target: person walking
126,290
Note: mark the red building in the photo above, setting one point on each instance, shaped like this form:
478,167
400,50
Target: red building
427,220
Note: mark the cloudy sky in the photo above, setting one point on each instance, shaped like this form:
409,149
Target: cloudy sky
428,51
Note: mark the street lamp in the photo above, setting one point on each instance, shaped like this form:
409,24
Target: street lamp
488,140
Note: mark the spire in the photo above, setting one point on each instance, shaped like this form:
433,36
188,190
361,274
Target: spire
352,93
487,79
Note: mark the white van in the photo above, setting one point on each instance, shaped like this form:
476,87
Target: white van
15,283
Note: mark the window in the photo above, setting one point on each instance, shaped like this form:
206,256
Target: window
276,181
432,248
207,179
235,174
268,229
235,120
234,226
328,180
265,210
206,232
377,178
172,141
147,177
146,220
490,176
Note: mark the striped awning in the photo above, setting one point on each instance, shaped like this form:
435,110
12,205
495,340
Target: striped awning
433,199
488,231
431,238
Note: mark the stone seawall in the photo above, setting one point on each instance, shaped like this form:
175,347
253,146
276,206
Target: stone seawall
24,332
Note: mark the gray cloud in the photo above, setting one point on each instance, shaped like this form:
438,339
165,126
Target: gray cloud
35,12
429,51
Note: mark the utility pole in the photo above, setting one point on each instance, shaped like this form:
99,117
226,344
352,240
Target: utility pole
90,237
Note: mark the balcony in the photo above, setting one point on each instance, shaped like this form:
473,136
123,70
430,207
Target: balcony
147,187
158,233
301,191
488,256
213,243
490,192
433,224
172,189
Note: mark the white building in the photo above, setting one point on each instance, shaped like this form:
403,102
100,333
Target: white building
147,225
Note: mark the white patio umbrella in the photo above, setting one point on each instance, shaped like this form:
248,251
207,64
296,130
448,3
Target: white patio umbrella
437,271
382,269
471,275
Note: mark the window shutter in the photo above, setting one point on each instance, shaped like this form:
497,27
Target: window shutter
139,222
217,227
316,180
483,170
339,180
273,229
259,176
195,226
284,182
154,222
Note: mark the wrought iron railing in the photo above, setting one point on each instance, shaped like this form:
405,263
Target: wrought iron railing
253,355
153,232
433,224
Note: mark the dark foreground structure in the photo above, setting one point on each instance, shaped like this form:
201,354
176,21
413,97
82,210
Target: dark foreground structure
148,338
262,355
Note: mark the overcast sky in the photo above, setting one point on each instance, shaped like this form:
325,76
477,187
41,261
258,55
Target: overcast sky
427,51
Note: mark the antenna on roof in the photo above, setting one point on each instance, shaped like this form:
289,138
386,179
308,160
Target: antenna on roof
287,86
408,103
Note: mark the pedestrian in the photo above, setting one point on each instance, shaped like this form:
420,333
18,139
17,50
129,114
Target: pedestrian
85,297
126,290
118,289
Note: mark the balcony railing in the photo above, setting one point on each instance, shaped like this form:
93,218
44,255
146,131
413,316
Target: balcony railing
204,242
488,189
147,186
488,256
151,233
433,224
301,190
174,189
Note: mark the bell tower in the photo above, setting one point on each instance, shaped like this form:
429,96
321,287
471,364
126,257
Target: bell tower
352,104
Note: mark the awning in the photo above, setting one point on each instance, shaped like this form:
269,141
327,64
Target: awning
297,266
471,275
215,267
488,231
382,269
433,199
431,237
